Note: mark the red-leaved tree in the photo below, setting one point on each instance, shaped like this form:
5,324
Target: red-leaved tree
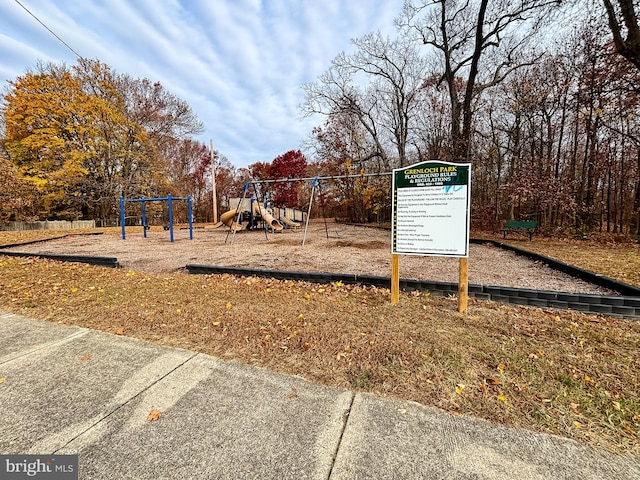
292,164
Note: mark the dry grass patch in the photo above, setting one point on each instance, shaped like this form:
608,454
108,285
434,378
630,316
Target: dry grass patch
25,236
560,372
8,238
619,260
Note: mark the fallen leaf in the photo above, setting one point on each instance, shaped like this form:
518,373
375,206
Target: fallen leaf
501,368
482,387
616,405
574,406
229,305
577,423
501,398
293,394
628,430
459,388
153,415
86,356
2,379
492,380
120,331
215,324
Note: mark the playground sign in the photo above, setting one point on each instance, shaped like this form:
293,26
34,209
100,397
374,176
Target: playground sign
430,216
431,209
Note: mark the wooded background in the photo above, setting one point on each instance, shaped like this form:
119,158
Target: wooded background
540,96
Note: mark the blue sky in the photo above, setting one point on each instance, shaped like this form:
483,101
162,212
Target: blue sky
240,64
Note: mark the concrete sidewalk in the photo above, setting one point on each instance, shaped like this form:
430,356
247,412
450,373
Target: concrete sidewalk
72,390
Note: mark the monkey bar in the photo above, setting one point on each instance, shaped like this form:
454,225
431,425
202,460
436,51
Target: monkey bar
169,199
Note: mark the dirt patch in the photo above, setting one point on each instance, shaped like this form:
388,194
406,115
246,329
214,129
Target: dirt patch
372,245
334,249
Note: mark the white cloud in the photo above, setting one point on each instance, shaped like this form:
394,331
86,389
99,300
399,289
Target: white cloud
240,64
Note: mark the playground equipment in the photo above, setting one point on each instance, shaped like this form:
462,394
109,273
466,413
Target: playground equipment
234,217
267,217
169,199
315,185
229,219
252,213
289,223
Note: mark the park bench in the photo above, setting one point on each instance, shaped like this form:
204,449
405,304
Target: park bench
515,226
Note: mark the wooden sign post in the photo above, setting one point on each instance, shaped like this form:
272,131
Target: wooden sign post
430,217
395,278
463,285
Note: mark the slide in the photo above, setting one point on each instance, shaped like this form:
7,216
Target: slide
229,219
267,217
290,223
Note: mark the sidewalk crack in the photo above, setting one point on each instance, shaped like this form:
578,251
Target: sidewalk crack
43,346
118,407
345,420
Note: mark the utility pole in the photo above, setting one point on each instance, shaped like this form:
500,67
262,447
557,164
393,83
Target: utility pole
213,183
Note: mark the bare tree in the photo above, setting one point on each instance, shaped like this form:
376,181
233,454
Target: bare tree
380,85
335,94
479,44
623,22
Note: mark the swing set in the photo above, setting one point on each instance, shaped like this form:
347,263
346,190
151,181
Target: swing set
314,185
169,199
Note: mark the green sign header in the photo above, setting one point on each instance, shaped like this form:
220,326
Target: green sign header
432,174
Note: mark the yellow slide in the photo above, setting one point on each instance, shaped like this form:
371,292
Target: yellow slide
290,223
229,219
267,217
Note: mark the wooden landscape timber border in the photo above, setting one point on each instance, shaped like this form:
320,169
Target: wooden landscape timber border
111,262
616,306
586,275
627,305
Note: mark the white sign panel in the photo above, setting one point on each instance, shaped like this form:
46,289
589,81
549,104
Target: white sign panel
431,209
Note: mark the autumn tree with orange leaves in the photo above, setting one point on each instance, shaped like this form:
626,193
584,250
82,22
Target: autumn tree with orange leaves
82,136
